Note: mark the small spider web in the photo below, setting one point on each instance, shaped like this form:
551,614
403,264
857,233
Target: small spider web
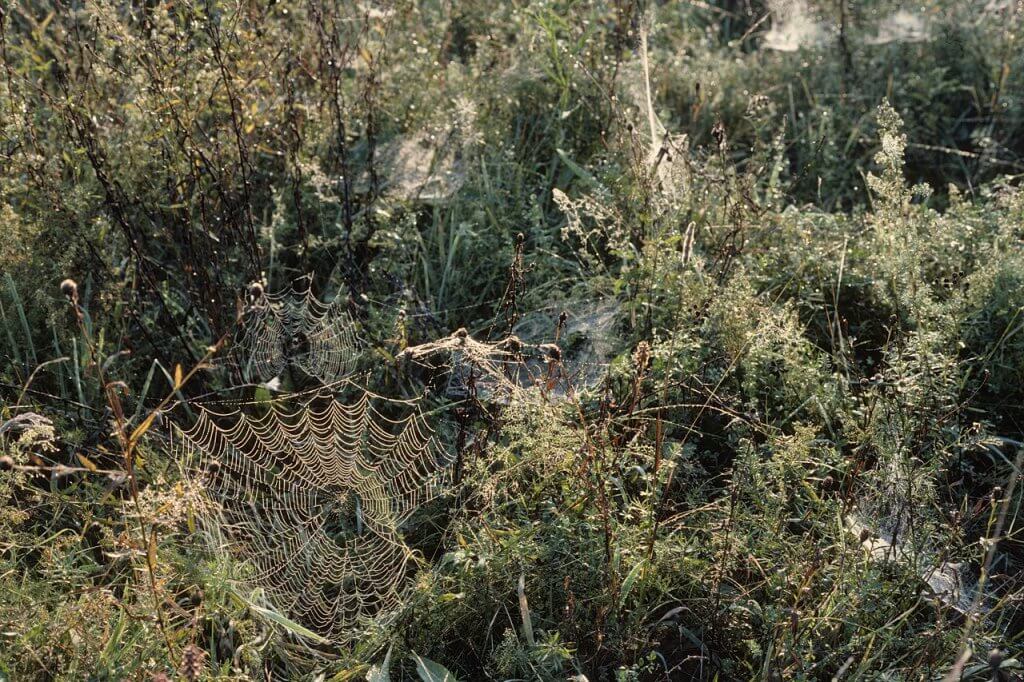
293,329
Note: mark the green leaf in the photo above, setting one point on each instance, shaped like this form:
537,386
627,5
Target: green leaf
288,624
430,671
627,584
261,395
579,171
524,610
379,673
115,641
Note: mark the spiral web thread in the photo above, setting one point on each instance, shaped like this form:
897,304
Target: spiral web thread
293,328
313,501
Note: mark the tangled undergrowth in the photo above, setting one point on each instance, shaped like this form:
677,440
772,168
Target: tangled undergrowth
511,341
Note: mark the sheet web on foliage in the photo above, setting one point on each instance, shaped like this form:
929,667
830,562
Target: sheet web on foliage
510,367
293,328
313,500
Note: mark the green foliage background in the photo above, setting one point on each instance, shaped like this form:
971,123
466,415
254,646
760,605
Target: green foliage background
805,270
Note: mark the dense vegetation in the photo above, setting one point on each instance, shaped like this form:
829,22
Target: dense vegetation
779,246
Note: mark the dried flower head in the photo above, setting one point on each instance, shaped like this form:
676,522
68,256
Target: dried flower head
70,290
641,356
193,660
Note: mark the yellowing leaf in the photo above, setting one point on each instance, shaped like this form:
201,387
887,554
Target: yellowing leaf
177,376
86,462
141,429
151,550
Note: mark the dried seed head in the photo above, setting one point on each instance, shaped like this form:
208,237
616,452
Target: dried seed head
864,535
520,238
193,660
641,356
563,317
461,334
554,353
70,289
255,291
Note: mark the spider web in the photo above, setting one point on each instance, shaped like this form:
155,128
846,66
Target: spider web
313,500
495,372
293,329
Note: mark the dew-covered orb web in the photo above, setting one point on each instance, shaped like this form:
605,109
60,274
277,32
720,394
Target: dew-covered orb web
313,501
292,330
